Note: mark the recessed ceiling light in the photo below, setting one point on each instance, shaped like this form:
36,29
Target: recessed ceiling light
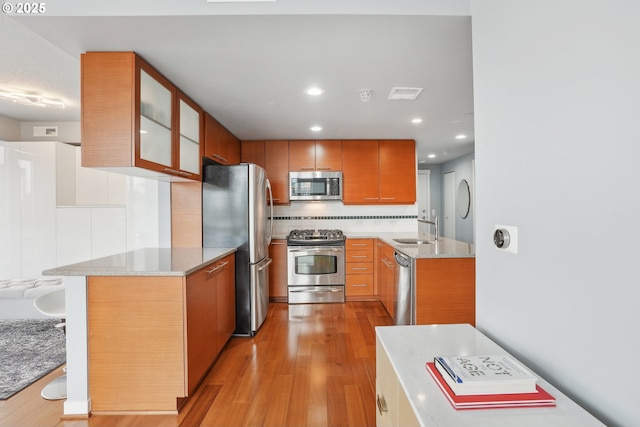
314,91
431,156
316,128
416,120
461,136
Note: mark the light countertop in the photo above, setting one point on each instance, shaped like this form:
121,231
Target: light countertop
145,262
441,248
410,347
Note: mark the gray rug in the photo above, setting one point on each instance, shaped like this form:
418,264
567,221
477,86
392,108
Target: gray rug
29,349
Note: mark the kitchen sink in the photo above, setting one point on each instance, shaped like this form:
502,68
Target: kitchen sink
413,241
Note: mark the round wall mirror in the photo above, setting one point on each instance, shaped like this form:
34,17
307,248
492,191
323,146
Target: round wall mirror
463,198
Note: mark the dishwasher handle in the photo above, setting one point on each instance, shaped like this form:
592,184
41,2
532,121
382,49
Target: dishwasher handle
403,260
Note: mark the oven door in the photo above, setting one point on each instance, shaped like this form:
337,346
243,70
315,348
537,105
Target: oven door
315,266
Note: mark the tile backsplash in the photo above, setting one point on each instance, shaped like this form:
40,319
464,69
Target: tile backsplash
335,215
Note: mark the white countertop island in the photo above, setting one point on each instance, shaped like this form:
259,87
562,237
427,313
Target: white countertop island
408,348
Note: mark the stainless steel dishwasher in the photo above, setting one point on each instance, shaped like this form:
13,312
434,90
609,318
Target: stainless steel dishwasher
404,287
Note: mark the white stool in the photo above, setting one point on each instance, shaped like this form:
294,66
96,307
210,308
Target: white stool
52,304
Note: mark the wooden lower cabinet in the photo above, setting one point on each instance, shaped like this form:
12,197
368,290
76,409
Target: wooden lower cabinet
445,291
152,339
385,278
278,271
359,269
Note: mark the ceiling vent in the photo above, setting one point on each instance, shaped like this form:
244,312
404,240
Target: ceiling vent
404,93
365,95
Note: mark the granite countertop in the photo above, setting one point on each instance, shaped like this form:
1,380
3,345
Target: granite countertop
145,262
442,248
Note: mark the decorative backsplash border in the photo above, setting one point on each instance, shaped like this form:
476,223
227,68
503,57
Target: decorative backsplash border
342,217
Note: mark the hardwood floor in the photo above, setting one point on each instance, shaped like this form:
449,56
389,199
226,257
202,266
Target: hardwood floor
309,365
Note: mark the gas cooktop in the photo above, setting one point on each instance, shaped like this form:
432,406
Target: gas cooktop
315,237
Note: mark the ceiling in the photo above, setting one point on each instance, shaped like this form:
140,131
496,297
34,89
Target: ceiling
248,64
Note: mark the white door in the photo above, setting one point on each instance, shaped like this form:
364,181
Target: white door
450,205
424,194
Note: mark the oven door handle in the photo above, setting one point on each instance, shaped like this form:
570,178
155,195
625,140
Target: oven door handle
315,251
330,289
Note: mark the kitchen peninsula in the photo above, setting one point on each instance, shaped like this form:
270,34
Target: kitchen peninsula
133,315
436,286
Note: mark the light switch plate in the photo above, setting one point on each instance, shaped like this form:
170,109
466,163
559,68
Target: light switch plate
512,247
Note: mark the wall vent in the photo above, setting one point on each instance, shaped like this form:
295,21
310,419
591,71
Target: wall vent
404,93
45,131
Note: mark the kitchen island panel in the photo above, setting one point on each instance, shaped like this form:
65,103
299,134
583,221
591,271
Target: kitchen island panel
136,343
445,291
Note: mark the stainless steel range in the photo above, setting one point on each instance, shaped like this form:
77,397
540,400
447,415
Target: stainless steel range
315,263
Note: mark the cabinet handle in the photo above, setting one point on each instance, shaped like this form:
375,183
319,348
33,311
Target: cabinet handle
217,267
307,169
382,404
359,256
387,198
387,263
359,268
278,243
323,169
359,244
218,156
371,198
360,285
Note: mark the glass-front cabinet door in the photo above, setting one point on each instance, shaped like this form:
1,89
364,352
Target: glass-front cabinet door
156,106
170,127
189,136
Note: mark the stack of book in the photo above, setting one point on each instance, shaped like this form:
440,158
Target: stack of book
497,381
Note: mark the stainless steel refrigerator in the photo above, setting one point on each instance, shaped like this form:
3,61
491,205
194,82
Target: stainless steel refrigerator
237,212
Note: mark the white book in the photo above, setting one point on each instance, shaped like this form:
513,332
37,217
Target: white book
495,374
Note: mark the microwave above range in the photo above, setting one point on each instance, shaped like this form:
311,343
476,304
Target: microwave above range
317,185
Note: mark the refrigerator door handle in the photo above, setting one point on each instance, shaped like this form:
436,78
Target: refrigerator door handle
264,264
270,199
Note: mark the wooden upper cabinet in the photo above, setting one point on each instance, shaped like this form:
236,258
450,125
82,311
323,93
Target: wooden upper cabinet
136,121
315,155
277,167
360,172
252,152
397,171
329,155
221,145
379,172
302,155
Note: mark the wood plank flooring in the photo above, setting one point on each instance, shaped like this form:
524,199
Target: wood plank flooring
309,365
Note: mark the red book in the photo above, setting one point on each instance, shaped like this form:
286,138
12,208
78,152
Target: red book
488,401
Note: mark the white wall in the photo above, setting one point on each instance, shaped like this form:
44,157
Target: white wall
463,170
557,92
54,212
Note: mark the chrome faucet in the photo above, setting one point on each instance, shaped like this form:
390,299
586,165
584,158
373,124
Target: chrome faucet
435,222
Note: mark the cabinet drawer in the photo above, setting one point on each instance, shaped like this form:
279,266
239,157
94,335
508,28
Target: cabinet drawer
359,284
359,256
359,268
359,244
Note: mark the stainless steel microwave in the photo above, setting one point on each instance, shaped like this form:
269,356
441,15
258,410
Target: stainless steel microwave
318,185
